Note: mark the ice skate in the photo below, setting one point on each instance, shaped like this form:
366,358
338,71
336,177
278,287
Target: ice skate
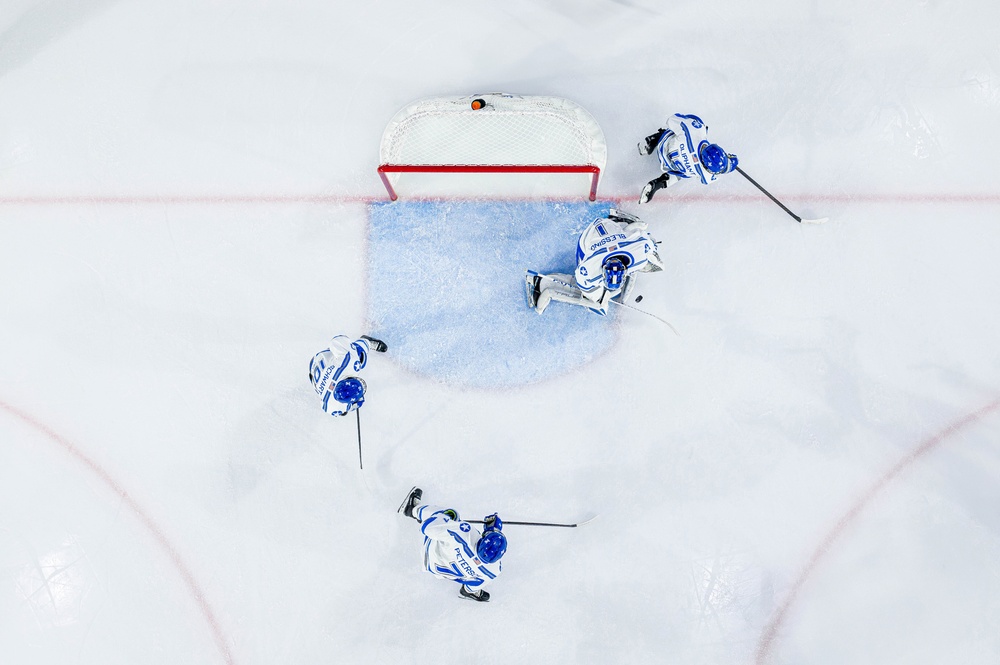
481,595
410,502
648,144
376,344
531,290
653,186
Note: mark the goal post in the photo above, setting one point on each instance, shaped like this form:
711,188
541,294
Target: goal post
492,133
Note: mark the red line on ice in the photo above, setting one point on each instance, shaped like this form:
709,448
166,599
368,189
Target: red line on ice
182,568
180,199
683,197
770,633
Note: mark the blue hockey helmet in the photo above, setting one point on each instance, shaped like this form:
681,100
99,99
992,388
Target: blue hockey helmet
715,159
614,273
491,546
350,391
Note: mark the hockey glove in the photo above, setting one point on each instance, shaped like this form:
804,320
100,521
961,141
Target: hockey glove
492,523
451,514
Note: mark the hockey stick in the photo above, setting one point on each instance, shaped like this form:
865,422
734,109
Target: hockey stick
588,521
612,299
780,204
642,311
361,460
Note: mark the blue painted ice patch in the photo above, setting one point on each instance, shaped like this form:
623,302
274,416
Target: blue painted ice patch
446,289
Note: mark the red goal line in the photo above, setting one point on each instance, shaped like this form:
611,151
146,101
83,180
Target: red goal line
234,198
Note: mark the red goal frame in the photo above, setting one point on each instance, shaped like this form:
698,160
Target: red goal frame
383,169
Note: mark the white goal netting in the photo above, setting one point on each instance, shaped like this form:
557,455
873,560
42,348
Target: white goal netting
506,133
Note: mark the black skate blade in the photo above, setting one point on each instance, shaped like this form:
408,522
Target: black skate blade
403,505
377,344
468,596
531,281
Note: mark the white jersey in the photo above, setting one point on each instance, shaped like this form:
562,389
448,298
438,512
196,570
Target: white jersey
344,358
608,238
679,147
450,549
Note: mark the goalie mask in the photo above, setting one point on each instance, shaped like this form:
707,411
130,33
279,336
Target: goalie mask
614,274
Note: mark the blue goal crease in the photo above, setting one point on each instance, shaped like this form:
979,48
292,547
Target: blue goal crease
446,289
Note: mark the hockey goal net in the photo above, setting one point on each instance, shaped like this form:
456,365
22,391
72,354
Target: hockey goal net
492,133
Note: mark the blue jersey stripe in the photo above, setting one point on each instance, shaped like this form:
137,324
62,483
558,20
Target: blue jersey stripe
424,524
343,366
690,143
461,540
362,355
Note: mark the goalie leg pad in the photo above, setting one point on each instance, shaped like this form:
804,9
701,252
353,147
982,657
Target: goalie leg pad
562,288
540,290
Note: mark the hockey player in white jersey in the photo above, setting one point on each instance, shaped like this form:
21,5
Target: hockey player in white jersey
610,251
685,152
333,373
456,550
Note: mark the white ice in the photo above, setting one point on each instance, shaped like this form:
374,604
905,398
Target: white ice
808,474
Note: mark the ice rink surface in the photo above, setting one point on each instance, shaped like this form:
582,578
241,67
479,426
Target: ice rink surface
189,209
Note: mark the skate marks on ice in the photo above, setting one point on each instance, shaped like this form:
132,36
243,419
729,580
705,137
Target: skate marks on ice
771,633
59,586
730,595
40,24
446,286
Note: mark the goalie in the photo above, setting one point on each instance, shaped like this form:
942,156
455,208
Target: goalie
609,254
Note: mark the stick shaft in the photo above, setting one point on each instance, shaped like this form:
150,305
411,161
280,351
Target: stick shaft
642,311
768,194
361,460
527,523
